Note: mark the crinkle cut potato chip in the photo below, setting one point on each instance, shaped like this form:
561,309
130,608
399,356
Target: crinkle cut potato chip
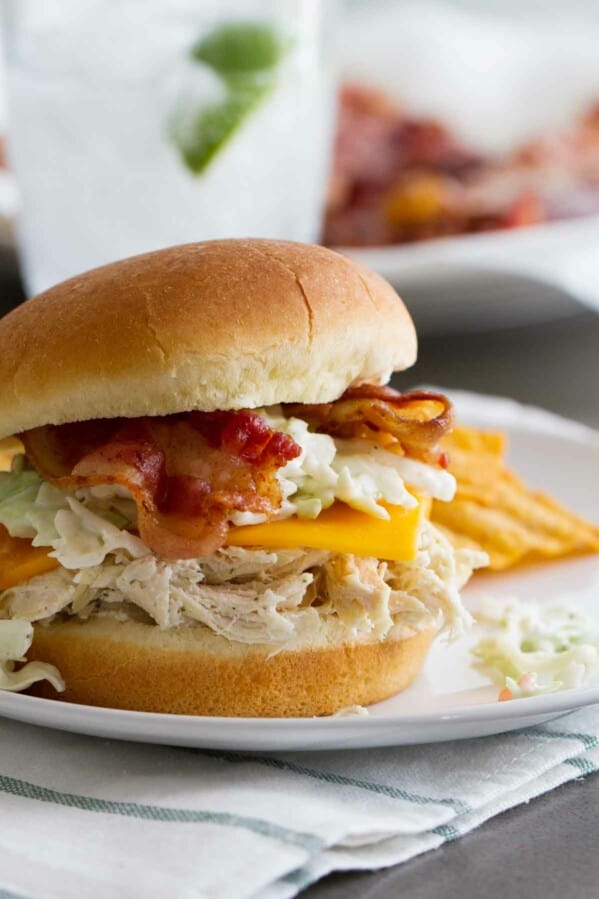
495,511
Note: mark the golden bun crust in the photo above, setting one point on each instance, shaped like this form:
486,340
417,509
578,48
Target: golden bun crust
191,671
219,325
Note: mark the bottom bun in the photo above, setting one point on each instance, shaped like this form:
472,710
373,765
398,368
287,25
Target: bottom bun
191,671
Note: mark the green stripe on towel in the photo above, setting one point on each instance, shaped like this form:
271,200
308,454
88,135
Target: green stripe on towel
584,765
331,777
25,790
588,740
447,831
301,878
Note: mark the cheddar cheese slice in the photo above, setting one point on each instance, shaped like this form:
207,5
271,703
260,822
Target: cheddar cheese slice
340,529
19,560
9,447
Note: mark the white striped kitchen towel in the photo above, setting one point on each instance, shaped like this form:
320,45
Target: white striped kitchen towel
86,817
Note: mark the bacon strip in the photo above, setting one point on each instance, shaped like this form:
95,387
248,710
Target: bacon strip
187,473
417,420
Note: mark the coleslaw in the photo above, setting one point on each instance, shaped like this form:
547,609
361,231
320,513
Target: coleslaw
529,648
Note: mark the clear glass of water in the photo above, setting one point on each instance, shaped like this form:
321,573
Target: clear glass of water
138,124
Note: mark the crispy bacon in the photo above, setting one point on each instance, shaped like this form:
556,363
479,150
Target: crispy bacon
187,473
245,434
416,420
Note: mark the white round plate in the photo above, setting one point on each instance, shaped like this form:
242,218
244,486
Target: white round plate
450,700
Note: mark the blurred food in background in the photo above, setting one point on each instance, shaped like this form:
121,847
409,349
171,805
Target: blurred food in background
398,177
469,84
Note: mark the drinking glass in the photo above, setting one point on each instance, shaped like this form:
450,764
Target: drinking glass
138,124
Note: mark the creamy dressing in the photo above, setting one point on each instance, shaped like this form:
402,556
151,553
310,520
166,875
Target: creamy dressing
357,472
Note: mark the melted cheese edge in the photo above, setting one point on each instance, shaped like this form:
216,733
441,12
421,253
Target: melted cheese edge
338,529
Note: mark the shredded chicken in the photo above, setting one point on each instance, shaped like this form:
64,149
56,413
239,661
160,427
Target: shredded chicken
281,598
357,590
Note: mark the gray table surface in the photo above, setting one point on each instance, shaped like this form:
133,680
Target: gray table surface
544,850
548,848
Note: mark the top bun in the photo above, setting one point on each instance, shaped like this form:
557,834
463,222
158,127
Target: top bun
226,324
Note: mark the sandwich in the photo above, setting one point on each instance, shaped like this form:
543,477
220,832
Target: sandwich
216,505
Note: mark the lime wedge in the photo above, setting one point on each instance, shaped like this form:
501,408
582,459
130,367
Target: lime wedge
245,56
202,137
241,47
